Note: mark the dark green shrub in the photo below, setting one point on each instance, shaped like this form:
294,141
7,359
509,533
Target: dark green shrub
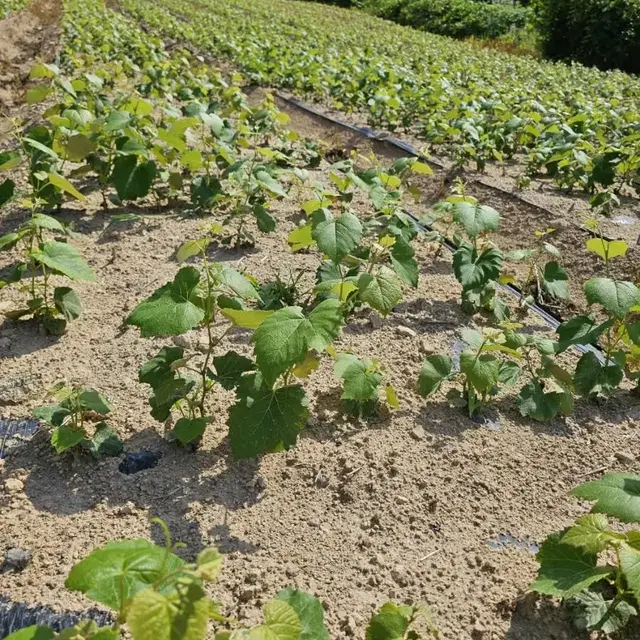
455,18
603,33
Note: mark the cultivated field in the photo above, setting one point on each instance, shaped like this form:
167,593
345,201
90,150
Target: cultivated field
365,373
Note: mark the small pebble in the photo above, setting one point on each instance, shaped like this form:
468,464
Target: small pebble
401,330
624,457
15,560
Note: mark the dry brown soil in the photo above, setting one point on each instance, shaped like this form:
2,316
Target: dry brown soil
406,506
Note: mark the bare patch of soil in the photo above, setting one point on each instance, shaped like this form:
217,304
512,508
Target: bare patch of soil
27,36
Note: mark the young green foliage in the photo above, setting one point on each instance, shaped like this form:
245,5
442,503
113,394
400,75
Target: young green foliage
545,279
362,384
476,263
78,407
615,327
155,595
593,566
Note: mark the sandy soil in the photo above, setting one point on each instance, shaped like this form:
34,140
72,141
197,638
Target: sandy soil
27,36
407,506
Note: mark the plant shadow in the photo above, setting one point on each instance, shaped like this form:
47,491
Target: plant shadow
74,483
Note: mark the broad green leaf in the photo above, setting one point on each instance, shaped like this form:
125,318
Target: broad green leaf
67,302
66,437
41,147
616,296
239,284
472,269
92,400
390,623
327,320
166,394
607,249
281,623
173,140
158,370
538,404
63,258
37,94
598,614
630,563
616,494
282,341
35,632
310,613
246,319
114,573
482,371
633,329
566,570
361,379
336,237
43,221
404,262
264,420
300,238
132,180
139,107
192,160
188,429
7,191
9,160
209,562
181,615
591,532
191,248
594,378
509,373
554,280
265,221
580,330
269,183
229,369
435,370
79,147
117,121
476,218
381,291
171,310
105,442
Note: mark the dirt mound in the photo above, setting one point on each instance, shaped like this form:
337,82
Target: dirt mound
27,36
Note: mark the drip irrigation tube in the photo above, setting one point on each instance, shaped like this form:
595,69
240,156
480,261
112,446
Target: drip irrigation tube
551,319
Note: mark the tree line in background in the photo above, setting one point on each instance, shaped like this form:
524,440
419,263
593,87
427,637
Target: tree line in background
601,33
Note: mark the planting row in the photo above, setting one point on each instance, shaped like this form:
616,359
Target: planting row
577,125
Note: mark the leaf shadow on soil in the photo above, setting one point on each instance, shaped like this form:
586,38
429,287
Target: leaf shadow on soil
29,336
439,418
74,483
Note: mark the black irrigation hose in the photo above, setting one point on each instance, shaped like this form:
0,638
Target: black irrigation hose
551,318
16,615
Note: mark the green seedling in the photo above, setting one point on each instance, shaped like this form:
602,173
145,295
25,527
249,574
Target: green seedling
362,385
152,593
545,279
592,565
76,409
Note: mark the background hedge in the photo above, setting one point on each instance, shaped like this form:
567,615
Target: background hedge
604,33
455,18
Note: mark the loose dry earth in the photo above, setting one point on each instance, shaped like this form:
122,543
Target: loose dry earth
409,506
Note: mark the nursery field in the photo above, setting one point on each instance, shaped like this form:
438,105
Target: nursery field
373,392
